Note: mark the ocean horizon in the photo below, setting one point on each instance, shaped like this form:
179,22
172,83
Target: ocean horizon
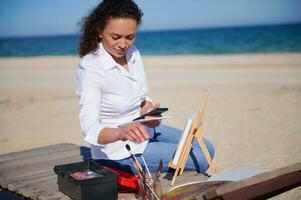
234,40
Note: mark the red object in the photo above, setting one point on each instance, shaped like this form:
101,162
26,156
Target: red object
84,175
126,182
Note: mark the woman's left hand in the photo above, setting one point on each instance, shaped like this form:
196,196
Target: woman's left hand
153,123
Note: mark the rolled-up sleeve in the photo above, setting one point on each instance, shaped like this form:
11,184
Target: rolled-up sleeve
89,91
147,98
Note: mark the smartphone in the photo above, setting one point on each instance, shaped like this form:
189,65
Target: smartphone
157,111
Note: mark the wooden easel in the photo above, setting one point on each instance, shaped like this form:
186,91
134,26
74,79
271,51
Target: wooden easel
194,132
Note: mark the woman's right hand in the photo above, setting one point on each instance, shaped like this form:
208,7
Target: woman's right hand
134,132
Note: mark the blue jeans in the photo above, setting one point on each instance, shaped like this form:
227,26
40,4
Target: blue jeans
163,145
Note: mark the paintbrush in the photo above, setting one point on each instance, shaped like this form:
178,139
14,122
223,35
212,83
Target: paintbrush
134,158
160,167
142,174
144,180
157,185
149,174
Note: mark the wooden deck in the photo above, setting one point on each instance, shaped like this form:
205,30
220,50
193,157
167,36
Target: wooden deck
30,173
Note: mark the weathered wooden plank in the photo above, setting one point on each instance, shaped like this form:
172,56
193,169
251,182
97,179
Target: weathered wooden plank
33,189
15,185
29,176
50,192
4,179
54,196
36,152
45,190
264,185
30,173
186,177
13,164
126,196
49,165
38,165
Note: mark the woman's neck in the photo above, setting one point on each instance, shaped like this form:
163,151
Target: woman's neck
122,61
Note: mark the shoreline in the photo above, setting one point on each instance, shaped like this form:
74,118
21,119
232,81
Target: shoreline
257,60
165,55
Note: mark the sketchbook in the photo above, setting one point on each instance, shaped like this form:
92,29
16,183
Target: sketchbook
143,120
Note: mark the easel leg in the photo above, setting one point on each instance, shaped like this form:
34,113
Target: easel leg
175,176
206,152
185,158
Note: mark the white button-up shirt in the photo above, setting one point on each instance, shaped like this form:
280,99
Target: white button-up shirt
109,96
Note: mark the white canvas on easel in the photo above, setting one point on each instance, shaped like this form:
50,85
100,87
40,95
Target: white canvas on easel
191,131
183,139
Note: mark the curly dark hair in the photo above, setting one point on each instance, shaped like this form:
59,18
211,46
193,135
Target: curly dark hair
92,25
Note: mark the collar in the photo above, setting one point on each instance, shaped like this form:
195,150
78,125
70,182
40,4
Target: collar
108,60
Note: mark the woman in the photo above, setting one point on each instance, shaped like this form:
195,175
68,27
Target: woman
112,89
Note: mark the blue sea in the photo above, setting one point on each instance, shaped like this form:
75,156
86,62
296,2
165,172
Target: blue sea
260,39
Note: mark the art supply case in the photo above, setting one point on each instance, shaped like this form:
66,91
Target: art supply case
102,184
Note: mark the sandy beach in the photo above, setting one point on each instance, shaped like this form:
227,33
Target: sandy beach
253,115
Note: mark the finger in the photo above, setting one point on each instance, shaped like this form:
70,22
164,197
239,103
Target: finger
138,134
143,132
157,105
151,116
152,124
149,124
125,135
133,134
145,124
132,139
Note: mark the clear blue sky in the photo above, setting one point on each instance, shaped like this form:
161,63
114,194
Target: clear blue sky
54,17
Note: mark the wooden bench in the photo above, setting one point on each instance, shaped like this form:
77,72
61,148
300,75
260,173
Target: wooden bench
30,173
261,186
